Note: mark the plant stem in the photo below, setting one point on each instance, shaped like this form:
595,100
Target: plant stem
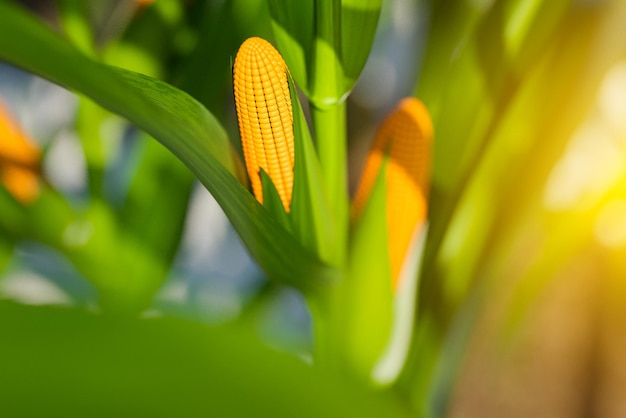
330,132
326,308
329,114
326,77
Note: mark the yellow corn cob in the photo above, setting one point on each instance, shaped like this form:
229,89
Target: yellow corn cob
406,135
19,160
265,116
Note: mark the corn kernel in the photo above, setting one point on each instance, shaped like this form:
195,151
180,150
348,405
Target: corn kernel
265,116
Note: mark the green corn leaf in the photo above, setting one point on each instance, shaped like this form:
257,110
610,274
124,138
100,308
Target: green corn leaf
162,368
180,123
325,43
292,23
310,212
359,19
370,310
271,200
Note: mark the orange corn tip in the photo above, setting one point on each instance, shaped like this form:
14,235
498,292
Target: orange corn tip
265,116
406,137
19,160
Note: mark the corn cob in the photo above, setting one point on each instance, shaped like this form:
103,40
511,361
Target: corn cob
19,160
406,137
265,116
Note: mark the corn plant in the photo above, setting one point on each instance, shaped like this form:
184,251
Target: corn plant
394,275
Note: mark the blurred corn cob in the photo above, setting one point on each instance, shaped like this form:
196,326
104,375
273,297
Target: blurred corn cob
406,138
265,116
19,160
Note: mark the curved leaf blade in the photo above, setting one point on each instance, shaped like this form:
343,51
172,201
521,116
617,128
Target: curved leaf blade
359,20
292,24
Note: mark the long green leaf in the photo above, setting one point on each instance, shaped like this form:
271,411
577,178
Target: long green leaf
359,20
370,302
310,213
178,122
292,23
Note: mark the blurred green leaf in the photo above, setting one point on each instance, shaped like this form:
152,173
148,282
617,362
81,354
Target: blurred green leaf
369,283
6,250
177,121
147,42
491,74
72,362
581,56
33,221
525,99
126,274
155,207
452,24
75,21
482,49
96,142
